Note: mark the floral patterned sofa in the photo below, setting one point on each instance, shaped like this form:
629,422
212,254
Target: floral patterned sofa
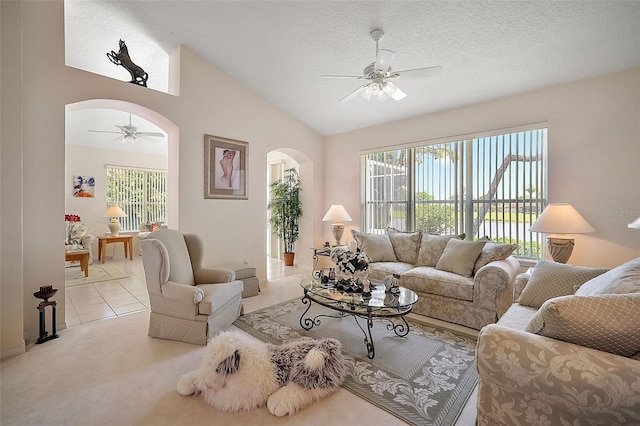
76,236
463,282
567,353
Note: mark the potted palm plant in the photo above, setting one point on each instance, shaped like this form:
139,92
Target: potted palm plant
286,209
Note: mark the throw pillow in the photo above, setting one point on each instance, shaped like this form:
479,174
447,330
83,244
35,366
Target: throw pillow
605,322
460,256
432,247
620,280
377,247
551,279
492,252
405,245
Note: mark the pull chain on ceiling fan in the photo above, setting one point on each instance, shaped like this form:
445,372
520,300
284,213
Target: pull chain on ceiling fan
130,134
379,73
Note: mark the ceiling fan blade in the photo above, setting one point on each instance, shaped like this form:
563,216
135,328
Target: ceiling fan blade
417,73
383,60
152,134
358,77
354,93
104,131
394,91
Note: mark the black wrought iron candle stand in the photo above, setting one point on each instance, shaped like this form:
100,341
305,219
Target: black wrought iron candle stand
45,293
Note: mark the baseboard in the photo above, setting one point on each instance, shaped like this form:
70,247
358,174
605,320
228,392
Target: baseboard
13,352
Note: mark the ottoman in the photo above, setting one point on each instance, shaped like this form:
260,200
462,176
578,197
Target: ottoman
247,275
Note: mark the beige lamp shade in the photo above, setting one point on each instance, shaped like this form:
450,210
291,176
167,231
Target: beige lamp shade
114,212
635,224
337,214
558,220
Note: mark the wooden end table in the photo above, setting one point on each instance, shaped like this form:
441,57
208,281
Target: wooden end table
127,240
82,256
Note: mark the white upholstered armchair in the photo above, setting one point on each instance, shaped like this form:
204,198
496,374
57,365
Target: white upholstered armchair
189,303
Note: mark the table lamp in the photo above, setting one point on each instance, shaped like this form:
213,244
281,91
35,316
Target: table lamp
337,214
114,212
558,220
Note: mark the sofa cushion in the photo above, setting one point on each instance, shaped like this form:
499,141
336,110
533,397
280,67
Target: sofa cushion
432,247
426,279
377,247
492,252
379,270
460,256
607,322
551,279
620,280
405,245
517,316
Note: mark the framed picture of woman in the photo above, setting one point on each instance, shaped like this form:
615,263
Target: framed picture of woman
225,168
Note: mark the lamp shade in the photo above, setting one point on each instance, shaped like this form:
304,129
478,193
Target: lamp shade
114,211
336,213
635,224
561,218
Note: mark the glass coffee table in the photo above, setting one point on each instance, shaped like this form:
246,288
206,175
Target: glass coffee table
381,305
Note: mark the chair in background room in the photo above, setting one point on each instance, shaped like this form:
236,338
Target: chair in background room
189,303
76,236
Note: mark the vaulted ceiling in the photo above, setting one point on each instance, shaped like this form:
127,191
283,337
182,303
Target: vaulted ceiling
487,49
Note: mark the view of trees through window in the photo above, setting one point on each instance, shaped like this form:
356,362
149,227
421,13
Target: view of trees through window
493,186
140,193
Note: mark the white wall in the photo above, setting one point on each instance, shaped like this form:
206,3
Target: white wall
33,121
594,154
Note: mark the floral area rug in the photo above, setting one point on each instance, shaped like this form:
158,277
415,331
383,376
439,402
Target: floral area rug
97,273
424,378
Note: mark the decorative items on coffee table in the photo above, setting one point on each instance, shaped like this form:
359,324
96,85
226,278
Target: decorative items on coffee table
352,271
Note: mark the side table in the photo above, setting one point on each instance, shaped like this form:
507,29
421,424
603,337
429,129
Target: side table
127,240
82,256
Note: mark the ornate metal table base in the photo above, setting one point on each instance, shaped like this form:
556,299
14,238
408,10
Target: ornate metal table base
401,329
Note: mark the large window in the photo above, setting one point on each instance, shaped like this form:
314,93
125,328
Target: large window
141,193
488,185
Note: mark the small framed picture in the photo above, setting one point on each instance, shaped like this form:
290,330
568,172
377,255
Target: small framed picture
84,186
225,168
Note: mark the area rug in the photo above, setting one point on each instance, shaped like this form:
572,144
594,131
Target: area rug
97,273
424,378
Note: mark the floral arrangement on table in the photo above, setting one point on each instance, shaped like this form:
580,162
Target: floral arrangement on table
352,268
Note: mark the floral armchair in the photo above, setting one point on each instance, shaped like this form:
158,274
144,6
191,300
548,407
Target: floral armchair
76,236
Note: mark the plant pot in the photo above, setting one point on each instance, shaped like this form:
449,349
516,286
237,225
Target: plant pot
288,259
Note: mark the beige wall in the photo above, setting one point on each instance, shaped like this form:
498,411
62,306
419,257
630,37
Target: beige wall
33,120
594,154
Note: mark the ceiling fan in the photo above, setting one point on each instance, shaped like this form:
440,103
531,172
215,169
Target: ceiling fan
379,74
130,134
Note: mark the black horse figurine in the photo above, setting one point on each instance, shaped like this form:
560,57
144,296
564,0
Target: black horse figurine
138,75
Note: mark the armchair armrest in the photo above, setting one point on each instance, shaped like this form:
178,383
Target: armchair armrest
182,292
214,275
491,280
524,376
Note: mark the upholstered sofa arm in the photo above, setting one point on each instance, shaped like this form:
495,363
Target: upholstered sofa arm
519,285
523,376
182,292
214,275
493,278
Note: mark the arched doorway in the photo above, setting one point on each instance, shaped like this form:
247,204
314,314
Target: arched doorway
279,160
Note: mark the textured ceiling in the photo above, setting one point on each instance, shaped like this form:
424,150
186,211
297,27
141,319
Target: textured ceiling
279,49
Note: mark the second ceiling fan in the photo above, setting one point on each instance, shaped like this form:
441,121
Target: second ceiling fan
379,74
130,134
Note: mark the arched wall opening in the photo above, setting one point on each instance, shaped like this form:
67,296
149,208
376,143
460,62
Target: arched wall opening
279,160
95,219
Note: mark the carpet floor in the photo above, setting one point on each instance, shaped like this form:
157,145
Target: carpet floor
97,273
424,378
